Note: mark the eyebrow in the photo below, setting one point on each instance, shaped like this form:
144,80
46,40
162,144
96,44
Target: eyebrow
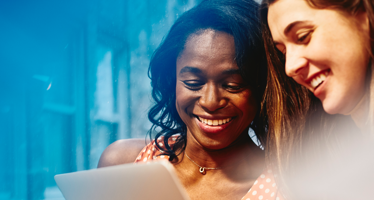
288,29
193,70
231,71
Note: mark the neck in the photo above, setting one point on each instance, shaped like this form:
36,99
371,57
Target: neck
360,113
241,149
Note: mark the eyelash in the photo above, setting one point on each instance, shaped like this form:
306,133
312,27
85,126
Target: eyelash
304,37
193,85
299,40
196,85
232,88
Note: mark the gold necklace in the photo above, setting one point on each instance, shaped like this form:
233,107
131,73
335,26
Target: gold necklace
201,169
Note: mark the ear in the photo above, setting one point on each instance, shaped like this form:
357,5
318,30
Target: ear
362,20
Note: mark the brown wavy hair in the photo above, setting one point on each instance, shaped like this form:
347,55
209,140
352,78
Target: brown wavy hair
299,129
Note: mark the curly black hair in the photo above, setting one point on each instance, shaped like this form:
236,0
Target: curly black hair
238,18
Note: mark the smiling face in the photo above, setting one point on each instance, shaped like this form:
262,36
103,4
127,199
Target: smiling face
325,50
211,96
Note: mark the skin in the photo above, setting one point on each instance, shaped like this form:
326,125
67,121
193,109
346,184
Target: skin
121,152
323,41
208,85
212,94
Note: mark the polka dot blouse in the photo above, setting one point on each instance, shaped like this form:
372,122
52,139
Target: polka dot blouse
264,187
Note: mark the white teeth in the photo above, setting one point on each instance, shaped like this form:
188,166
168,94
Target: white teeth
210,122
318,80
214,122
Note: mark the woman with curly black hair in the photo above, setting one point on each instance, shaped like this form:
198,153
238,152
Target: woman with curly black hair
208,78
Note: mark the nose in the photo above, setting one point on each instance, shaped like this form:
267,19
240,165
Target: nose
296,64
211,98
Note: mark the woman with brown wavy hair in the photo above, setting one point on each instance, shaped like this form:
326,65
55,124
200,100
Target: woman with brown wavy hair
320,96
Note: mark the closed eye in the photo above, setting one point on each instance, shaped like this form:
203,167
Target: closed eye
193,84
304,37
233,87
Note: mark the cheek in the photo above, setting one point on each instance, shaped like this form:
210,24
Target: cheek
300,81
345,49
322,49
348,60
179,98
247,104
184,99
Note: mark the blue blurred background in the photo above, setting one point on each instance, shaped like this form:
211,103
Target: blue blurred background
73,79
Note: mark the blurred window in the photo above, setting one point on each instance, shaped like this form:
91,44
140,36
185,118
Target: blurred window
73,80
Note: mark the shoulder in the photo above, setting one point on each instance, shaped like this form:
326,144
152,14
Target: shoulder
121,152
155,151
265,187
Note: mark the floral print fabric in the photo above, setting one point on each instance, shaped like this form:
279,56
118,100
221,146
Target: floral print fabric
264,187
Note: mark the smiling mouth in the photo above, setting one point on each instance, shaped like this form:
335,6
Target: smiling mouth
318,80
214,122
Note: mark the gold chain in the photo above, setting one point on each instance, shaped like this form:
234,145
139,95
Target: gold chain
201,169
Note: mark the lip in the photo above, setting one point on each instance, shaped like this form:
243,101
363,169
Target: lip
210,129
319,89
213,117
309,80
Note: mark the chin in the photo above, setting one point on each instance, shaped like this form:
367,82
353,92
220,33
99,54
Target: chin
333,108
215,145
330,110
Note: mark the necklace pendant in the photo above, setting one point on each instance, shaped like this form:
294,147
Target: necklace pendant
202,170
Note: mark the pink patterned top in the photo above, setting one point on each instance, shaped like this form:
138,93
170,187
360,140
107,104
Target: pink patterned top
264,187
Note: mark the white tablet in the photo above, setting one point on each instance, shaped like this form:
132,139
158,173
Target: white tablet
135,181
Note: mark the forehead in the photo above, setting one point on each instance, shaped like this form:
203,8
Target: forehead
284,12
210,40
206,51
208,47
